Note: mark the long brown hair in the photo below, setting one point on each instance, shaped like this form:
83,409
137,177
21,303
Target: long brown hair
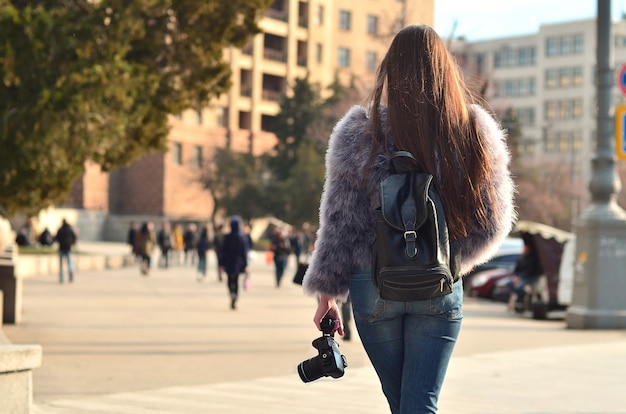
428,115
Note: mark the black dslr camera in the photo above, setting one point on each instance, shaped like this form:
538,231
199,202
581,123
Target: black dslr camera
329,362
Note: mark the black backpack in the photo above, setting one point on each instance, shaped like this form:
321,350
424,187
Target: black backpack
412,258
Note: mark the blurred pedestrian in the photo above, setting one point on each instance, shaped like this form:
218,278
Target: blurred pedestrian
146,240
249,247
295,243
234,254
177,239
218,241
280,251
164,240
527,269
66,238
45,238
189,244
131,238
202,247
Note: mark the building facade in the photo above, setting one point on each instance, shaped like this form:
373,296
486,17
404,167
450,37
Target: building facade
548,81
321,38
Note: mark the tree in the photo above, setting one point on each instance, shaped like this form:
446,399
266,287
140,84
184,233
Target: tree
229,178
298,113
302,128
95,81
304,186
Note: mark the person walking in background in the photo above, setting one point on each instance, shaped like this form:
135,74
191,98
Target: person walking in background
146,240
234,254
280,251
218,241
164,240
249,247
295,244
428,112
189,244
131,238
66,237
202,247
178,243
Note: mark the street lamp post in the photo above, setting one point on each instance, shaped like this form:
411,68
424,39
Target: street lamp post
599,301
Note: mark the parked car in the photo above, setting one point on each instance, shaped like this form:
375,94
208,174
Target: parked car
508,253
483,283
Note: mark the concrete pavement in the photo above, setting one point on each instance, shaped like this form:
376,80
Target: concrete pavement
117,342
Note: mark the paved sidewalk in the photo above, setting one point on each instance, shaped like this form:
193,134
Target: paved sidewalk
116,342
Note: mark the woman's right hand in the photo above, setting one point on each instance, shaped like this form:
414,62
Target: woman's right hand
327,307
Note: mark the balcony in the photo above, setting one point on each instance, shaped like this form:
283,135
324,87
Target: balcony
275,55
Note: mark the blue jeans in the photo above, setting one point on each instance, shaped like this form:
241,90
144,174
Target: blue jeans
70,268
202,264
408,343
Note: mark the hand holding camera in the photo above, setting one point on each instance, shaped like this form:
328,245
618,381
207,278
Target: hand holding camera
329,362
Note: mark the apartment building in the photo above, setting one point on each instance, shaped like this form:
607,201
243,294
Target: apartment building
548,81
321,38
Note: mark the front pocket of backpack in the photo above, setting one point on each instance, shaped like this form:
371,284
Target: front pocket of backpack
403,286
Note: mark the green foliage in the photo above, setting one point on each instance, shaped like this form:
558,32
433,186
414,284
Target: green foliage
304,186
298,113
95,81
233,182
302,127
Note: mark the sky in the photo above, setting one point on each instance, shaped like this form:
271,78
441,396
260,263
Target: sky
489,19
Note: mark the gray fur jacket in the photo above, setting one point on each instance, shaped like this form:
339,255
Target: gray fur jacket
347,218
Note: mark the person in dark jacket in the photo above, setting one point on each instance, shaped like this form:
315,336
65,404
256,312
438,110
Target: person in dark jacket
66,237
203,245
527,270
280,249
164,240
189,240
234,256
218,241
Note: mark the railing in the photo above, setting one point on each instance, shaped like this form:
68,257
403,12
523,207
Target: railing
276,55
270,95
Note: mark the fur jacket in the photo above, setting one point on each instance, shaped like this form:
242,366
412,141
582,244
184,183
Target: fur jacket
347,219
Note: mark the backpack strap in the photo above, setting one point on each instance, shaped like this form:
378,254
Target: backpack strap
402,162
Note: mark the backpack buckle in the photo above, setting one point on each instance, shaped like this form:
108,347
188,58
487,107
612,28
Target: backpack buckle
410,236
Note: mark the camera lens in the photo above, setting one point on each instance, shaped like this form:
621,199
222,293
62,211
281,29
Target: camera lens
310,370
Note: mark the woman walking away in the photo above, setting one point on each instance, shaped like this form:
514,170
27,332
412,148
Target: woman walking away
428,112
234,255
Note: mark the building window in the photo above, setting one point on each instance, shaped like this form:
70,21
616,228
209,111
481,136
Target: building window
371,60
319,15
372,24
564,45
551,79
177,153
578,43
525,116
197,156
564,77
551,46
318,52
199,116
222,117
344,20
344,57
